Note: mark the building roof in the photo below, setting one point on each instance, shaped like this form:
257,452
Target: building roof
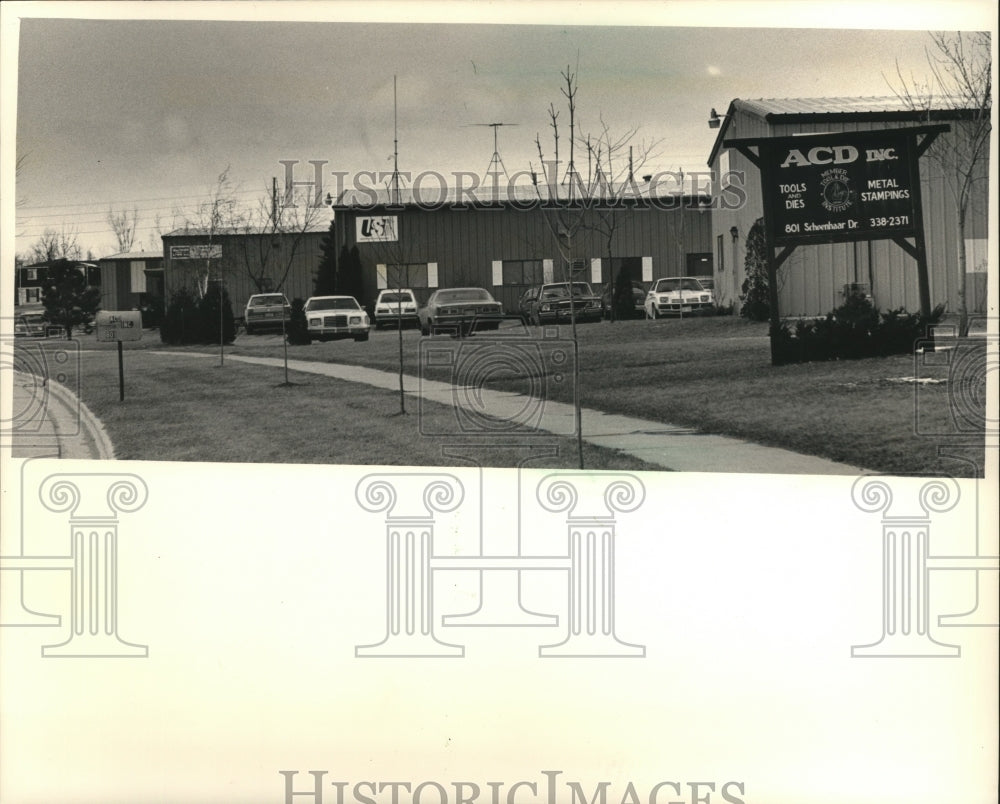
890,108
239,231
135,255
522,196
881,104
47,263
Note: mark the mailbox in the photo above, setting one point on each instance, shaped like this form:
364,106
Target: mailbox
118,325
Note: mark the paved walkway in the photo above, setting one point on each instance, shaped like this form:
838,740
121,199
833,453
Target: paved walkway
669,446
49,420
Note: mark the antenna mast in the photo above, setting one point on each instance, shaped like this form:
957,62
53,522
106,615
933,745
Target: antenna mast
496,159
395,146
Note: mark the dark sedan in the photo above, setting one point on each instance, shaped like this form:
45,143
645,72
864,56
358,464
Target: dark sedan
551,304
460,311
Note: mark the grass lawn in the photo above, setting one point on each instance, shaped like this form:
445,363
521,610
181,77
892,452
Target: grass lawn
190,409
715,374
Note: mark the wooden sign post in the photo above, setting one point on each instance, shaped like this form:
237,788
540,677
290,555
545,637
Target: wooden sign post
115,327
839,188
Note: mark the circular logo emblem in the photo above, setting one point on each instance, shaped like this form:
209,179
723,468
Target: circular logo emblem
835,187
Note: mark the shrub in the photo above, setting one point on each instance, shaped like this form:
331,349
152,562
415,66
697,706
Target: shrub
756,303
622,299
152,312
210,314
297,331
854,330
181,321
69,301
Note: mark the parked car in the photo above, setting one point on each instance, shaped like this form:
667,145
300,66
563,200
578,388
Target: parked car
266,311
550,304
391,306
638,299
460,310
678,295
30,325
336,317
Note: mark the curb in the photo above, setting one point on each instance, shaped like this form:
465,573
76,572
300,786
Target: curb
89,423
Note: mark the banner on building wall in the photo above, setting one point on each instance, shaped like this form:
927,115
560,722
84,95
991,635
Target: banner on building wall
196,252
376,229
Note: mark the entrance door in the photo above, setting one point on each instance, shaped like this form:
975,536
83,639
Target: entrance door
699,264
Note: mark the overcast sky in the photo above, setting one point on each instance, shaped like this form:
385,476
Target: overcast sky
146,113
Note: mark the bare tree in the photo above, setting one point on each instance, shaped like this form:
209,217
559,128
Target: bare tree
612,162
124,225
156,234
22,161
54,245
273,233
217,215
960,80
580,201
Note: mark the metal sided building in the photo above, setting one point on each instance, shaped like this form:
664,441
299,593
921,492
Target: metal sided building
252,263
509,245
813,279
130,279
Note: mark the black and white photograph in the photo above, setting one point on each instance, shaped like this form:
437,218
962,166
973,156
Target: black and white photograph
470,403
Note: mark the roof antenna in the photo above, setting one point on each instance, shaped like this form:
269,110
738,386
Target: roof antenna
395,147
496,160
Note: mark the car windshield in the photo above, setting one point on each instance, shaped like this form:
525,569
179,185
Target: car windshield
343,303
462,295
670,285
562,291
394,298
267,301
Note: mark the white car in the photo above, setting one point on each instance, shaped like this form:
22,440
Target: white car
395,306
678,295
330,317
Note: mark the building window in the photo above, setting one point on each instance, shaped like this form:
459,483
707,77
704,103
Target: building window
32,274
407,275
522,272
720,252
31,295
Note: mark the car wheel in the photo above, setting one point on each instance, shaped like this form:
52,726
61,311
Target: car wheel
250,330
653,313
425,329
536,319
363,337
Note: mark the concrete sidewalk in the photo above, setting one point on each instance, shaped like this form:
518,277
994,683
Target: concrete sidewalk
677,448
49,420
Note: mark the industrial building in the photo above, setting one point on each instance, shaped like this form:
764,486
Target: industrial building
247,263
130,280
508,245
813,279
